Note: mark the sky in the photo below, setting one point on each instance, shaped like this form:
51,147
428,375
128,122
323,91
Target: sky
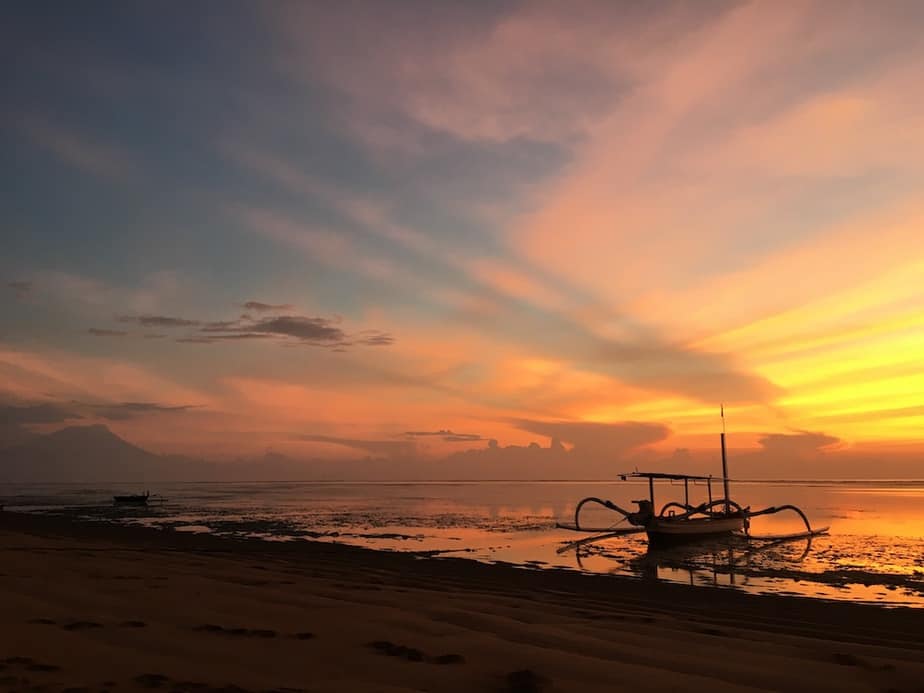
437,231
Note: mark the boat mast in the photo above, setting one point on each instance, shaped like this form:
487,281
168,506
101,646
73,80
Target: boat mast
724,460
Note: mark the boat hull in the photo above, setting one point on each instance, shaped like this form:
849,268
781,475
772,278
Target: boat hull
670,532
130,500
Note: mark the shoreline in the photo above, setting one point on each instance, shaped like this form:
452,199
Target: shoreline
681,566
307,550
439,624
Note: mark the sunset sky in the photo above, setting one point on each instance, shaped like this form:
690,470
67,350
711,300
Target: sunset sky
404,230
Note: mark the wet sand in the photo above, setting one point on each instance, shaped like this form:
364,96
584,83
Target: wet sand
99,607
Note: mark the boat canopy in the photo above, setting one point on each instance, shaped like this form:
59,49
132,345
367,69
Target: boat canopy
685,478
662,475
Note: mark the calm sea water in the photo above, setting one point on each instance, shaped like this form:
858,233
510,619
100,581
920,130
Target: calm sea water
874,553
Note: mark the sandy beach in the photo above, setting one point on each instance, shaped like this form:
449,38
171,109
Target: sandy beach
96,607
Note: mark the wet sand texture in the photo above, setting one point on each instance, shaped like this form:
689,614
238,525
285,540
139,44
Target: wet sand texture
112,608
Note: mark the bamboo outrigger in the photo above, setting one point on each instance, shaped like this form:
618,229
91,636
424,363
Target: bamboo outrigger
683,522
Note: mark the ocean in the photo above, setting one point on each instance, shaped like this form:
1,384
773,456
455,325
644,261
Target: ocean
874,552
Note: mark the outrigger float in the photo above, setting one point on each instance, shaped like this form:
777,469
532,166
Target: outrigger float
676,522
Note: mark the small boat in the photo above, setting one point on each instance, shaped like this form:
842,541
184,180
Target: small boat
137,499
677,522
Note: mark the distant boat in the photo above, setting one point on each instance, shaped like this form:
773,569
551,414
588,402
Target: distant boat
137,499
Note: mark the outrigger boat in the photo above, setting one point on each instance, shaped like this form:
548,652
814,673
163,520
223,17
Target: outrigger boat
678,522
136,499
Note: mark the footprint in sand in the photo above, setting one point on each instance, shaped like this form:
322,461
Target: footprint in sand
392,650
82,625
236,632
710,631
412,654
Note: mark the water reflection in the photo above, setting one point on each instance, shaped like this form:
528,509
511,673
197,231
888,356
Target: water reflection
732,558
774,567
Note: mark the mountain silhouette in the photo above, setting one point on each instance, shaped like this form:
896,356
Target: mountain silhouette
83,453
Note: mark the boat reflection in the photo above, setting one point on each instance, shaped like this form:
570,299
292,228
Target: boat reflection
727,561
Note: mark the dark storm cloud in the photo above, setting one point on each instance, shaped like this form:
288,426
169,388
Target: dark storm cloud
96,332
295,329
320,330
291,329
266,307
223,325
158,321
446,436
